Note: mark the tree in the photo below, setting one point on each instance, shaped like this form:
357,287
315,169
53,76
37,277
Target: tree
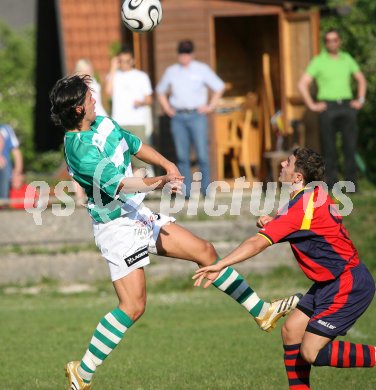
356,22
17,90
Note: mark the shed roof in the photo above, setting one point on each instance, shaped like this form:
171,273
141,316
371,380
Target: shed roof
88,30
300,3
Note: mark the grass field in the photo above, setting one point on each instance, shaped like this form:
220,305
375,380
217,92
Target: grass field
188,338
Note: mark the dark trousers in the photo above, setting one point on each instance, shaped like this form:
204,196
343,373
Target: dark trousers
339,116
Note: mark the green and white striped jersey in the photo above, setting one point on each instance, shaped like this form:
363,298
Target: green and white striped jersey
98,159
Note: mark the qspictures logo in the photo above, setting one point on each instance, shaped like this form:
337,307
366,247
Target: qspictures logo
257,198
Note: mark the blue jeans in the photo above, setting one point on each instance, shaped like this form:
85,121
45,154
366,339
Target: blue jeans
4,183
191,129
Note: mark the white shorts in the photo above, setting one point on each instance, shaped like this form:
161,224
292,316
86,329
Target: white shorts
127,241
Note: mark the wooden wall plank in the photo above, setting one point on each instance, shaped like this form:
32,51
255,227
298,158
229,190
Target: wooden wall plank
88,30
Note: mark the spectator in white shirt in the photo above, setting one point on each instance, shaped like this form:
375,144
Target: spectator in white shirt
131,93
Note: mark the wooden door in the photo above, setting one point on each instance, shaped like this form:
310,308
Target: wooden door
299,43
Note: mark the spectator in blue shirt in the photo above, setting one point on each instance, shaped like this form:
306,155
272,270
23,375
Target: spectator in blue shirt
183,95
9,147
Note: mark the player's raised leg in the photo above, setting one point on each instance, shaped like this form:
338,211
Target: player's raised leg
131,291
175,241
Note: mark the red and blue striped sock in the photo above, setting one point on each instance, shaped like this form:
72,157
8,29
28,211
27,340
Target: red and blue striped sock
297,368
343,354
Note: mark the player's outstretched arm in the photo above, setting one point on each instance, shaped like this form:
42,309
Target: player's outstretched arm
149,155
130,185
249,248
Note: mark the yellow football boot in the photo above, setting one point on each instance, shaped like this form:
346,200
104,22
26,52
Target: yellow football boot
278,309
75,381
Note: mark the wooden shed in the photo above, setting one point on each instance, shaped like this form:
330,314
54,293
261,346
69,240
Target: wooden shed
231,36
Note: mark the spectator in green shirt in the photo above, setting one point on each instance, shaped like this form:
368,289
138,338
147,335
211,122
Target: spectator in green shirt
333,70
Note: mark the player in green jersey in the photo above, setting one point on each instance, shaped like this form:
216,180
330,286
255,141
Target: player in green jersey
98,155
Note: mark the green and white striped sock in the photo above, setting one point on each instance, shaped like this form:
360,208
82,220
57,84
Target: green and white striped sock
233,284
107,336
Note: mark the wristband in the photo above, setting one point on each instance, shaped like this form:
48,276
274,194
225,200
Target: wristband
362,100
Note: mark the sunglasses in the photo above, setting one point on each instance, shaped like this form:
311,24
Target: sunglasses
331,40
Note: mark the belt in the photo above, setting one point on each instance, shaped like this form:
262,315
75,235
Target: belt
339,102
186,111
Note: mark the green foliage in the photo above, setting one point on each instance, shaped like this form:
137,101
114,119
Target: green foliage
17,90
360,224
115,48
358,30
47,162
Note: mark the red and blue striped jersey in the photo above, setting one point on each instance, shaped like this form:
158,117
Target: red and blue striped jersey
312,225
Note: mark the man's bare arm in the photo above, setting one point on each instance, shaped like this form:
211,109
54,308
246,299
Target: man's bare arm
18,161
149,155
249,248
362,90
163,101
304,88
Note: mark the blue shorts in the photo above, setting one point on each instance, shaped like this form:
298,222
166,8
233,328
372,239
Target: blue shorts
334,306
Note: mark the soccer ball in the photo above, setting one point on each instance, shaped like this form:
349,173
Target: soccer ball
141,15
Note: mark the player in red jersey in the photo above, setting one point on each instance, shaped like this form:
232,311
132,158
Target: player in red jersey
343,287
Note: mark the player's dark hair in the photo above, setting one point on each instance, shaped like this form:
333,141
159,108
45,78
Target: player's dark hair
68,94
310,164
